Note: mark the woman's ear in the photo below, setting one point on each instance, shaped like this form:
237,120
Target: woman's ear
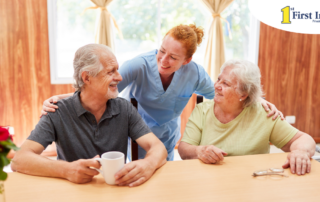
85,77
187,61
243,97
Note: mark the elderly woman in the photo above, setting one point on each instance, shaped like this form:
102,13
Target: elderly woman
235,124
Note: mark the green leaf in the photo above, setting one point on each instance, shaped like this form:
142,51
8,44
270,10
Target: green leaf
9,144
5,161
3,175
14,147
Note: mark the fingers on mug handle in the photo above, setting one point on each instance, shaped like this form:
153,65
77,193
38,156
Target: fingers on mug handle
99,160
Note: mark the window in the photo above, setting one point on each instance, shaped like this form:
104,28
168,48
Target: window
245,32
143,24
68,30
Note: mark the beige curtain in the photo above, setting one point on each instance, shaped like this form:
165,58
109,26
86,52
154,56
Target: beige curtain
215,56
104,34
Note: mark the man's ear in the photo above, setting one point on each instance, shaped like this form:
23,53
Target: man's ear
85,77
187,61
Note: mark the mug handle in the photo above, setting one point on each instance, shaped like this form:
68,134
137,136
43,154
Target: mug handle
99,160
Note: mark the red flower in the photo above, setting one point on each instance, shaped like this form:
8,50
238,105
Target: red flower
4,134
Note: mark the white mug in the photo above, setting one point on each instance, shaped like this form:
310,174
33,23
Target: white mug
111,163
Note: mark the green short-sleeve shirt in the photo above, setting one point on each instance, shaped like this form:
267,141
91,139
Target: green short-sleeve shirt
249,133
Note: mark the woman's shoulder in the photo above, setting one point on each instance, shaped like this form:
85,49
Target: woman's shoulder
151,55
256,110
139,63
193,65
196,70
204,107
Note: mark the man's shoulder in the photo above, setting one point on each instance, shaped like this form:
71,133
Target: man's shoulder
120,100
66,103
64,107
121,103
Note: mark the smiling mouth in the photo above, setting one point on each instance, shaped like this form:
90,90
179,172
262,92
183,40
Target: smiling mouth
165,67
218,94
113,85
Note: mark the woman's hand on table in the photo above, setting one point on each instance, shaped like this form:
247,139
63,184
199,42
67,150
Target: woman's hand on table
272,109
210,154
134,173
48,107
298,161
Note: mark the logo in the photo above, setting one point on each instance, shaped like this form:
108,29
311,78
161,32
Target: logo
289,15
297,15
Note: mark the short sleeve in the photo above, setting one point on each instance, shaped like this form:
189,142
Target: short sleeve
193,131
44,132
205,86
129,71
282,133
137,127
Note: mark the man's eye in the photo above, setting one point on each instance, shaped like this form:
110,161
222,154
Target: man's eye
173,58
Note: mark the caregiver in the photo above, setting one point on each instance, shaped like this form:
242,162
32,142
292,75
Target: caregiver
162,81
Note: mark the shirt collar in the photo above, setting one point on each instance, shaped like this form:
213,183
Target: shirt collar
77,104
112,107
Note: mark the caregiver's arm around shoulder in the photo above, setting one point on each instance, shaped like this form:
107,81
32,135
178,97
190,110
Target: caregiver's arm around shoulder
301,148
272,109
49,107
137,172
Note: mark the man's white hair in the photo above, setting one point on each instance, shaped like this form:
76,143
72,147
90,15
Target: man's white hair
248,79
87,58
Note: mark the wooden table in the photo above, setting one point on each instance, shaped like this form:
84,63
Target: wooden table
189,180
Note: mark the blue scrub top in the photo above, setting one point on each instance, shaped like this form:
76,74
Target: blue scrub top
158,108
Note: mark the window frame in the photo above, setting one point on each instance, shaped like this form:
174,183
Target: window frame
254,40
52,35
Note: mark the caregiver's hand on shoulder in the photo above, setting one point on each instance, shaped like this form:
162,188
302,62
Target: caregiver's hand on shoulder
134,173
210,154
298,161
272,109
48,107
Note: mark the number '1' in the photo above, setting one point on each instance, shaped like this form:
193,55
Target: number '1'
286,15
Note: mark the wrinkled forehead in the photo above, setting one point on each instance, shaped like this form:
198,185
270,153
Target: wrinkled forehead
108,60
229,74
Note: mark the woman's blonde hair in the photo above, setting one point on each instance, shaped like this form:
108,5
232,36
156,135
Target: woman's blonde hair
189,35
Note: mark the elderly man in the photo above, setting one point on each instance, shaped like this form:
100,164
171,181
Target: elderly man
89,123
